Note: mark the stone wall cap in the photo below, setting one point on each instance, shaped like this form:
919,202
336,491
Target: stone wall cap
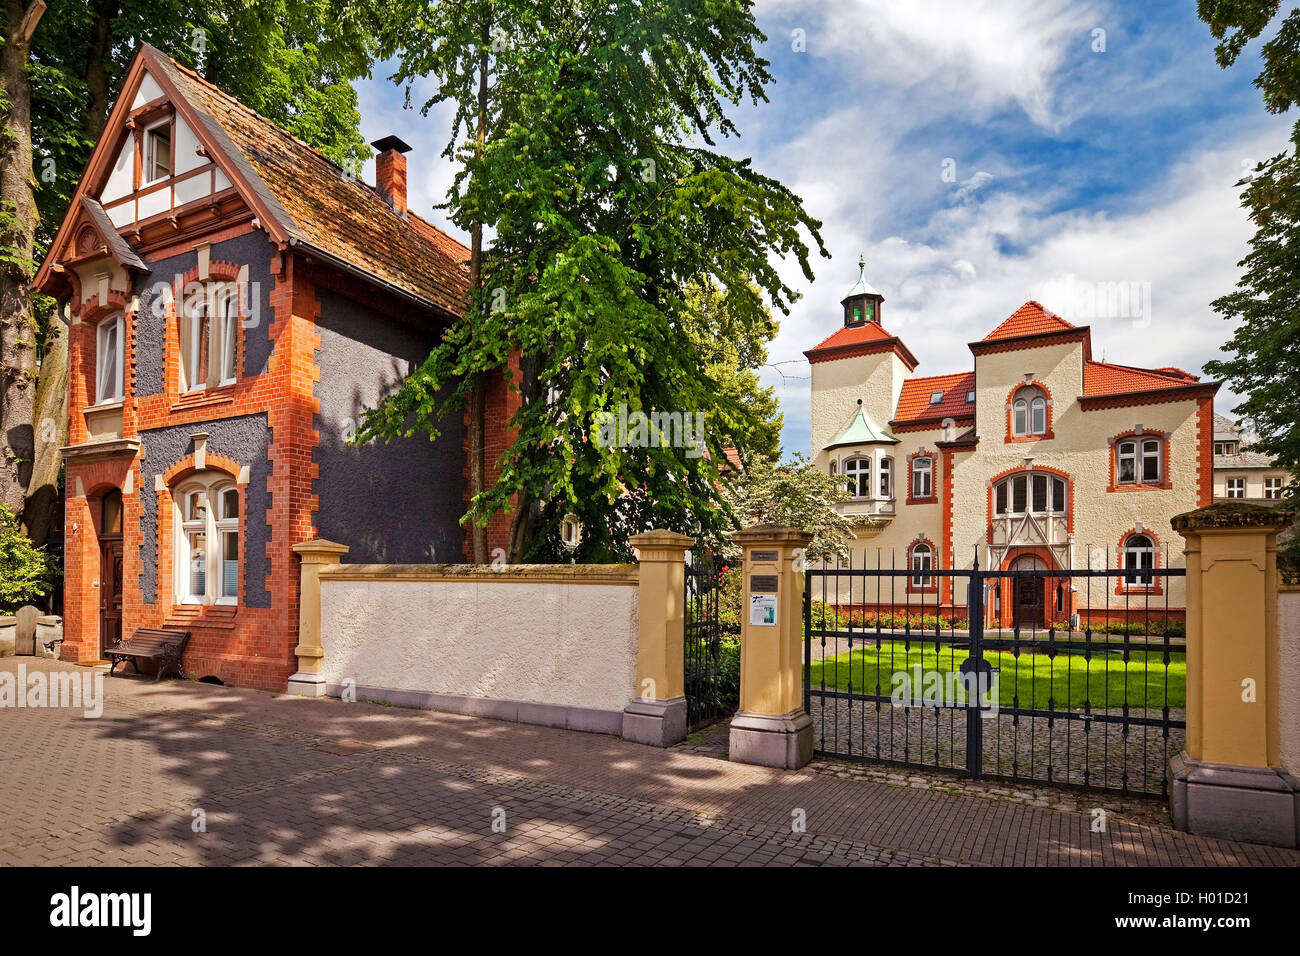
8,620
660,538
774,533
320,544
49,619
505,574
1231,514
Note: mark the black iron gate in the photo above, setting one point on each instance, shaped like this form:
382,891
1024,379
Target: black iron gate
712,645
1068,677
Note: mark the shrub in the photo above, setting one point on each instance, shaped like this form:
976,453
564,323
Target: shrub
26,572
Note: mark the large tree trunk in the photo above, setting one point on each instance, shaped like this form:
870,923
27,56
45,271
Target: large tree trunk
18,219
96,75
51,434
478,396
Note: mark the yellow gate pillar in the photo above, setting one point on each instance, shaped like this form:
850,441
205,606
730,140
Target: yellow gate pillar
1229,782
657,715
315,555
771,728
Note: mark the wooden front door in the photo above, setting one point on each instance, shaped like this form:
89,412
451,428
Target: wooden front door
110,594
1027,610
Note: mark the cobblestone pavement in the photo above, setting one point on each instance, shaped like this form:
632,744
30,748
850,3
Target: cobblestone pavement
278,780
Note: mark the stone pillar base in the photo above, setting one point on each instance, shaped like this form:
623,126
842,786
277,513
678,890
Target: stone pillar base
785,741
659,723
303,684
1247,804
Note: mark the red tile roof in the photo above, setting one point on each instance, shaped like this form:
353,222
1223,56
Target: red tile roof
914,401
1102,378
1030,319
854,335
324,209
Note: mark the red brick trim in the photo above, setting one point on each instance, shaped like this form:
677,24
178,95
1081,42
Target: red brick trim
893,344
946,539
1032,341
1165,481
929,424
1157,582
1006,586
933,588
1157,396
1204,452
1011,398
933,497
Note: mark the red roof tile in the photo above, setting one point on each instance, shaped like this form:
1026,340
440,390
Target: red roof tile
1102,378
853,335
333,213
1030,319
914,401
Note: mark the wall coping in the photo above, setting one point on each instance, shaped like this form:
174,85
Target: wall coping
1230,514
772,534
628,574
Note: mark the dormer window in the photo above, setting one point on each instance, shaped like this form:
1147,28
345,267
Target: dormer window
970,397
157,157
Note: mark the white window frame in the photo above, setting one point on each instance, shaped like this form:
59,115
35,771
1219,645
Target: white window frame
858,470
1235,484
219,304
1273,488
1138,561
214,525
921,559
1151,449
1029,412
112,378
1004,494
149,161
886,478
228,338
925,471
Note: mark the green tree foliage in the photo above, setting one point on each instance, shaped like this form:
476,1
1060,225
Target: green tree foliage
605,196
1264,352
794,494
26,572
733,344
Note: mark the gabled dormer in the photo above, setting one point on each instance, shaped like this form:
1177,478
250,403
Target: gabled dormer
862,304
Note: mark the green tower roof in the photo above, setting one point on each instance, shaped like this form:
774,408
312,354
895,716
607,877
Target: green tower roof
862,286
861,430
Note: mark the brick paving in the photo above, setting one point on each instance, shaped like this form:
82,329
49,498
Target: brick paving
319,782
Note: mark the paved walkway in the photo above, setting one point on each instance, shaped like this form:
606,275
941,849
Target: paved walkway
284,780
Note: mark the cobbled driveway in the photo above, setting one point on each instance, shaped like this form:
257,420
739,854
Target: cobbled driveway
191,774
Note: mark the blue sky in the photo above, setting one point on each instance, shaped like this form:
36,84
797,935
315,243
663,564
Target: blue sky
981,154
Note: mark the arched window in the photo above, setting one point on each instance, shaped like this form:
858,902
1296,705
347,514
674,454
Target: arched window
858,471
1139,558
109,360
1029,412
834,468
886,477
210,337
921,562
207,540
1139,461
1032,492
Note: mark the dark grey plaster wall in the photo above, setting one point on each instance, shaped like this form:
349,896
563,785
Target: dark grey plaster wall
390,503
246,440
253,250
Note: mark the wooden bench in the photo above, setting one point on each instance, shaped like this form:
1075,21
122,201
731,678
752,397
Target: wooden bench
161,646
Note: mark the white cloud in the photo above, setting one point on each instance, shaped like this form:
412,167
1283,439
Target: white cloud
981,54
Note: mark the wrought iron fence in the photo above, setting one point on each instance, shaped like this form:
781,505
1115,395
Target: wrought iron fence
712,645
1064,676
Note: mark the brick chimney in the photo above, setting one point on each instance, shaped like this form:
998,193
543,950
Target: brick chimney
390,171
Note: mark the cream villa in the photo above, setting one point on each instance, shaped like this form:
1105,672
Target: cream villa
1039,457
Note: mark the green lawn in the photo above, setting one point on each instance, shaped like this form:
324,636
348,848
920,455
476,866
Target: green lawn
1068,681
